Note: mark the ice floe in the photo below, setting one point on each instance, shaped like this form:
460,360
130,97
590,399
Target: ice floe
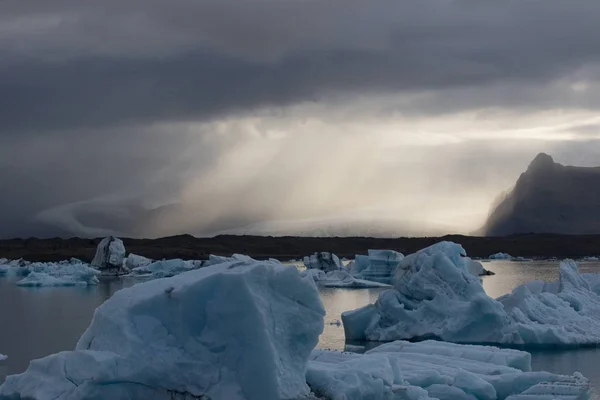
500,256
64,273
435,296
109,257
167,268
437,370
238,330
245,330
340,279
324,261
378,265
133,261
3,357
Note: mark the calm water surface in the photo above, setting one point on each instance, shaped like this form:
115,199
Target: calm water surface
36,322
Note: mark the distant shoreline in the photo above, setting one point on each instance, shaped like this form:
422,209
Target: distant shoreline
289,247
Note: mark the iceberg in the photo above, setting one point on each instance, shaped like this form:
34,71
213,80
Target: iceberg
166,268
590,258
340,279
63,273
109,257
437,370
241,330
378,265
436,297
476,268
216,260
500,256
133,261
3,357
323,261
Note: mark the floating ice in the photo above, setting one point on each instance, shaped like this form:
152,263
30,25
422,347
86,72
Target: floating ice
476,268
323,261
133,261
340,279
241,330
3,357
590,258
446,371
167,268
500,256
109,256
378,265
435,296
215,260
57,274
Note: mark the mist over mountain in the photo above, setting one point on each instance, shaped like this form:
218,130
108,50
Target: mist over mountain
549,198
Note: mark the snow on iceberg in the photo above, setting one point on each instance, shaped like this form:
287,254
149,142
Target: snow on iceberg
437,370
434,296
241,330
500,256
378,265
109,257
324,261
340,279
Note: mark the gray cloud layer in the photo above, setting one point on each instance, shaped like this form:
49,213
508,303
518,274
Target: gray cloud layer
94,96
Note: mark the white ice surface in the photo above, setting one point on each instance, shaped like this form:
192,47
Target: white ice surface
402,370
435,296
238,330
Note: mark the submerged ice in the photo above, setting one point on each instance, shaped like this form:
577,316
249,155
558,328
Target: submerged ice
435,296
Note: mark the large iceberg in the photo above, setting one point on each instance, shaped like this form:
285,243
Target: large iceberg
340,279
241,330
324,261
435,296
437,370
378,265
500,256
109,257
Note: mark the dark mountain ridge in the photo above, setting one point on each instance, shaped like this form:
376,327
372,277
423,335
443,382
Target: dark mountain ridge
549,198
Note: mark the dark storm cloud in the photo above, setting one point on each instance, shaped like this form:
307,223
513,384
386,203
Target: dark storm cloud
215,59
95,96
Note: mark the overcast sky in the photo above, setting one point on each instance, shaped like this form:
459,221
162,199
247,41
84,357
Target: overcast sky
288,116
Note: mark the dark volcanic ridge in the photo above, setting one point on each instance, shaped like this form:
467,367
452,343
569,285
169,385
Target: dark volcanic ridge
285,248
549,198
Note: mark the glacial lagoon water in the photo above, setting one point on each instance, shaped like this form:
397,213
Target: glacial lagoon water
36,322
